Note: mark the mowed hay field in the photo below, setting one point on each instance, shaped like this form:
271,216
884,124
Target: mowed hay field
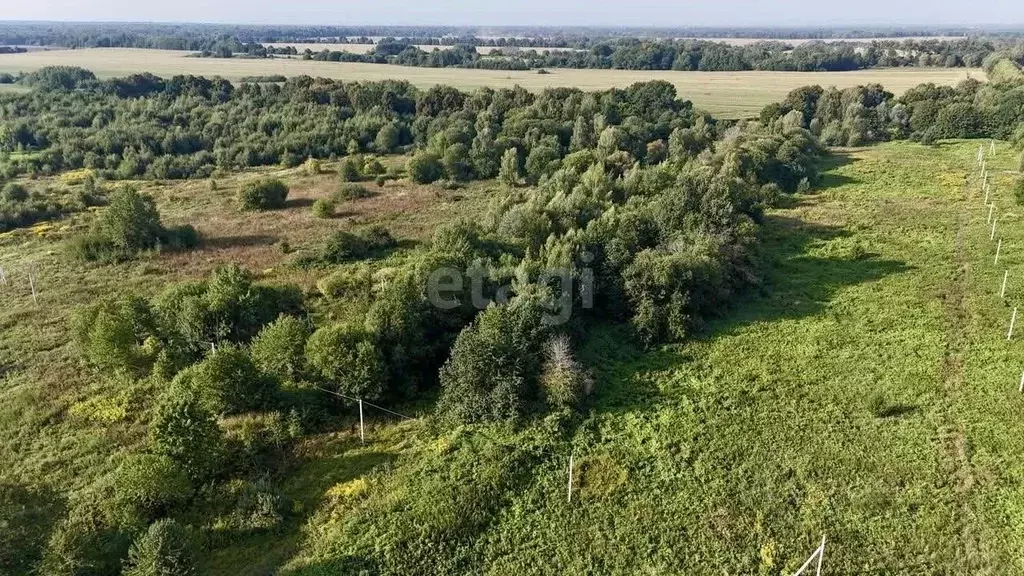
724,94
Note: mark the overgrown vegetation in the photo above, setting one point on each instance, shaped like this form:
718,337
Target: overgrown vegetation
623,221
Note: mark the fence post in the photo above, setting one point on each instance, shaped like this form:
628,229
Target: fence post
1013,320
1002,291
362,436
998,247
570,479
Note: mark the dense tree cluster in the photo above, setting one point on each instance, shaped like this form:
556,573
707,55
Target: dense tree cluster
864,114
687,55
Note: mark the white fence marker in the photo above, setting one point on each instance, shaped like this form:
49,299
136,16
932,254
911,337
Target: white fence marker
32,285
998,246
570,478
1021,387
1002,291
3,277
1013,320
362,436
992,146
991,207
992,234
819,552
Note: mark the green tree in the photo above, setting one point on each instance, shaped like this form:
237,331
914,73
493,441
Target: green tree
509,173
388,138
165,549
185,431
425,167
228,382
279,348
264,194
346,356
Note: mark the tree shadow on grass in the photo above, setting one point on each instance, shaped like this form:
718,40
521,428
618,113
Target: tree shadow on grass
800,278
334,462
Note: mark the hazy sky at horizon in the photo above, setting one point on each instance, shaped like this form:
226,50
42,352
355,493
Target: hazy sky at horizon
528,12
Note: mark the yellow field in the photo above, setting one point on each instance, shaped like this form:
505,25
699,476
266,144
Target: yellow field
725,94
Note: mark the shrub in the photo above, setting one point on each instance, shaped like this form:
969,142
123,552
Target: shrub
312,166
541,161
13,192
347,284
388,138
185,431
562,380
228,382
324,208
379,238
249,507
28,515
373,167
456,162
345,356
256,442
83,544
350,170
351,191
131,222
109,332
492,371
166,549
229,306
263,194
145,487
342,246
279,348
425,167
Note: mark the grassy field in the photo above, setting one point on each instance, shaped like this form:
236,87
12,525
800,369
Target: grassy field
866,392
725,94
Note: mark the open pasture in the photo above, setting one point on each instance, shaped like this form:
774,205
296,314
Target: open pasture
724,94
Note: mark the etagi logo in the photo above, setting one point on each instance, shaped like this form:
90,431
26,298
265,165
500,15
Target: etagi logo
446,286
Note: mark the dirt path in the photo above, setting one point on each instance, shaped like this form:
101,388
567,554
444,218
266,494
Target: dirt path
957,457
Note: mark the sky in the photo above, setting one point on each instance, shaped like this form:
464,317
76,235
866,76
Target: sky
529,12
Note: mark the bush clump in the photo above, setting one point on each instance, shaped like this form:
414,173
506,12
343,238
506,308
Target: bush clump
228,382
279,348
146,487
166,549
492,371
13,192
425,167
350,169
351,191
346,356
263,194
186,432
130,225
324,208
343,246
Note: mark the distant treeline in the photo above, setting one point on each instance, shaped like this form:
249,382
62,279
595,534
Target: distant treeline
634,54
195,36
525,52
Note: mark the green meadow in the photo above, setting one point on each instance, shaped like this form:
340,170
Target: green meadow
865,391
